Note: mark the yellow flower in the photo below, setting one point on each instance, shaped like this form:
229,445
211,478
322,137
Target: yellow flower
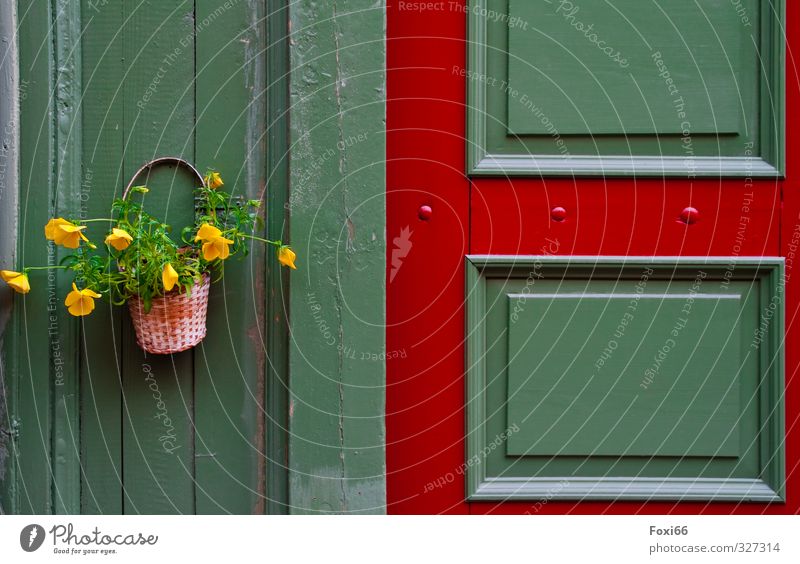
214,180
207,233
64,232
286,257
18,281
216,248
80,302
169,277
119,239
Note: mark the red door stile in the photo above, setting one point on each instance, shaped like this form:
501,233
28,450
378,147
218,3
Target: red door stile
425,266
513,216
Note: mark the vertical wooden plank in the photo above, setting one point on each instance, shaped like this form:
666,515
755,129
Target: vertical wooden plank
9,206
36,204
337,196
230,463
277,414
66,415
100,385
159,112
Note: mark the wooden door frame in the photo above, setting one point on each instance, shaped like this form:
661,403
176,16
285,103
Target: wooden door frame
43,475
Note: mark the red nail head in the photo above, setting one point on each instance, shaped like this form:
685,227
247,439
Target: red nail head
689,216
558,214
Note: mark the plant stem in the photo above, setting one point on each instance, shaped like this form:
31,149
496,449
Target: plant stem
276,243
44,267
96,219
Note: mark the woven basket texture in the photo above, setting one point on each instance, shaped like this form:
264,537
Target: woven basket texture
176,322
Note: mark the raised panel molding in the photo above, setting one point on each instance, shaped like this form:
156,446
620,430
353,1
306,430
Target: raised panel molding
701,93
543,330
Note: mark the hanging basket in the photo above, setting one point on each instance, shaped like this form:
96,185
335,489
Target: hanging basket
176,321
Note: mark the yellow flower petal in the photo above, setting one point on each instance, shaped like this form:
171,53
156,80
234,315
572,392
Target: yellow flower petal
169,277
50,228
18,282
80,302
286,257
119,239
65,233
214,180
207,232
7,275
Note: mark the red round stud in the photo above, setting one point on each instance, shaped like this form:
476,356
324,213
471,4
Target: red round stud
425,213
689,216
558,214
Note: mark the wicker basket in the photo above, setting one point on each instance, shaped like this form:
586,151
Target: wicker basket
176,321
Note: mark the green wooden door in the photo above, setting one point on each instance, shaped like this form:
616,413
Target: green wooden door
130,432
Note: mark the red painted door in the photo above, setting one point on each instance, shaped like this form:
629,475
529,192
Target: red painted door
425,414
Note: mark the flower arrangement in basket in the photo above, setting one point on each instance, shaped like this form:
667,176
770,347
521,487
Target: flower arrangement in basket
165,283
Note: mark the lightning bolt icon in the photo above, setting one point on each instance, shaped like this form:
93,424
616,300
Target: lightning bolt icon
34,534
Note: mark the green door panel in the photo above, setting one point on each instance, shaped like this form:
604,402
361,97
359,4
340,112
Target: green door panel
630,69
181,433
612,378
633,88
660,380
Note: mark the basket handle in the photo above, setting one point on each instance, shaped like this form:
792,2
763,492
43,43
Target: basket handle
161,160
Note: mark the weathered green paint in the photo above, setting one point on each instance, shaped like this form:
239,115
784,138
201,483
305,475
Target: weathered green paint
101,362
559,89
230,366
276,416
9,205
68,182
158,439
34,380
524,373
336,449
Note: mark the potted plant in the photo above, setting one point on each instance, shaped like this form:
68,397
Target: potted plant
164,282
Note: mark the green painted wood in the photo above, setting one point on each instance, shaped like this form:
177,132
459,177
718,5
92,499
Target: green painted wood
504,457
9,206
336,449
276,415
68,182
540,90
101,182
36,202
601,71
158,116
230,458
603,371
